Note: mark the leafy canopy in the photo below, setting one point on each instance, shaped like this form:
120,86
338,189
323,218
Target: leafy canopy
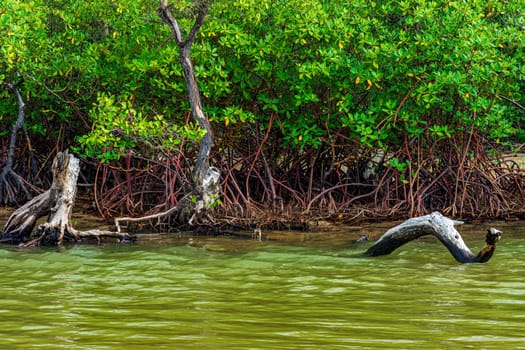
369,70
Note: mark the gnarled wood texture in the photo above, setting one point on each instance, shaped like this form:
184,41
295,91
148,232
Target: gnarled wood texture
443,228
57,202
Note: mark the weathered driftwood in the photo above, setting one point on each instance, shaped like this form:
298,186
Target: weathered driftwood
57,202
443,228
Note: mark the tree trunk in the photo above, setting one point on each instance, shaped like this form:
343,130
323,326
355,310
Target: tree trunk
205,178
202,173
443,228
57,202
12,187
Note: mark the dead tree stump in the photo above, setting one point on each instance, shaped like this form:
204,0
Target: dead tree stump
57,202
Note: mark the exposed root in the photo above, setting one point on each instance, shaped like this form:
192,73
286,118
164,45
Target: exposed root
168,213
264,183
192,208
57,202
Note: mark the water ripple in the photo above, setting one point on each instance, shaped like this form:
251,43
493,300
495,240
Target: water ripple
259,296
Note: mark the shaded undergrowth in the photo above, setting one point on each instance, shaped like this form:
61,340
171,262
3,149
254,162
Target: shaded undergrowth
268,185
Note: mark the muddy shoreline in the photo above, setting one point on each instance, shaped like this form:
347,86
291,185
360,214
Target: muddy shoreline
316,230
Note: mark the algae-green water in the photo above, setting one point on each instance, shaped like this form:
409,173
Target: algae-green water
224,293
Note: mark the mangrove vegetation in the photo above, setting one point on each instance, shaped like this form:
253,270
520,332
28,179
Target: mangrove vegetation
282,110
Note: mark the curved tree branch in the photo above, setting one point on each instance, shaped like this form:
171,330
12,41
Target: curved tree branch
10,191
167,17
203,10
443,228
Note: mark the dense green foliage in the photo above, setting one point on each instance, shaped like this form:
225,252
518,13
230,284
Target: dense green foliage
78,56
104,77
373,69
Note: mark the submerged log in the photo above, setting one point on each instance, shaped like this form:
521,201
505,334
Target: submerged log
443,228
57,202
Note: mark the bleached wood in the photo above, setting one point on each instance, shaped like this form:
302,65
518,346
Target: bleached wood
57,203
442,228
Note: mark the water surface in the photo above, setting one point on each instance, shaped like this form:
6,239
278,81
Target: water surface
312,291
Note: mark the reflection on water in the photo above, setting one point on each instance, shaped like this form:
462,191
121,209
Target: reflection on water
222,293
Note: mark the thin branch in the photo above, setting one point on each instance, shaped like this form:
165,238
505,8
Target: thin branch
203,10
167,17
511,101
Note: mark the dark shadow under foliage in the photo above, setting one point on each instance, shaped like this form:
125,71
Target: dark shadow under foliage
267,185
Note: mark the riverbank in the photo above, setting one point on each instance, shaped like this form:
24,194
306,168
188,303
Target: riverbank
314,230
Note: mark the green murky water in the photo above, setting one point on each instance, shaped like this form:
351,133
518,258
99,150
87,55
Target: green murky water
311,292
